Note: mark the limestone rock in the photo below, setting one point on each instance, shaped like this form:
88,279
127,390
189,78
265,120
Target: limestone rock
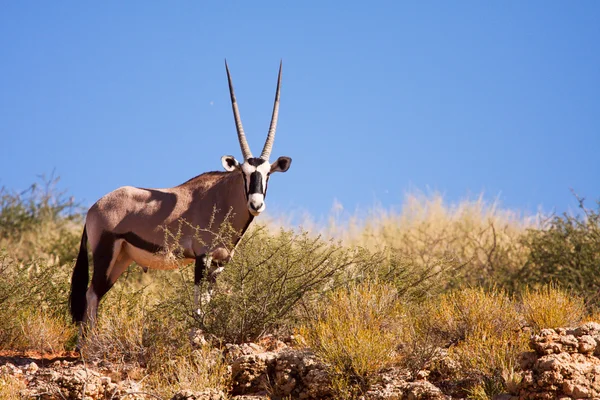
564,365
289,372
209,394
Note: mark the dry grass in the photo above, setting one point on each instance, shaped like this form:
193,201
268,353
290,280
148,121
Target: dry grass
42,332
551,307
481,235
10,387
134,331
457,315
197,370
482,330
32,315
119,332
40,223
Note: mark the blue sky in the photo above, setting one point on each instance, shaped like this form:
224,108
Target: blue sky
378,98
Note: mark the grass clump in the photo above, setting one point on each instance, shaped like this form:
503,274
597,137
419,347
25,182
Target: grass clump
551,307
39,234
43,332
195,369
33,305
482,331
458,314
355,331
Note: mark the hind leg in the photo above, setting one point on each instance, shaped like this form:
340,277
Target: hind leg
108,260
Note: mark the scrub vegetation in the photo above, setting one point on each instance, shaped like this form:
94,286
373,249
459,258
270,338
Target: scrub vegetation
397,289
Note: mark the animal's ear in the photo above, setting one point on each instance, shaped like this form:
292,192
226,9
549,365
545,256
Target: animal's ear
230,163
282,164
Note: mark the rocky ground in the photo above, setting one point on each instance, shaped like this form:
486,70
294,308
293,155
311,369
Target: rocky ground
563,363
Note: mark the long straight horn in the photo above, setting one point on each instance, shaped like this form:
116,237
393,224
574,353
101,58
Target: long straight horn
271,136
238,122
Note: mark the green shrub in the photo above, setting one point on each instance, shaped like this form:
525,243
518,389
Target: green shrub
566,253
269,277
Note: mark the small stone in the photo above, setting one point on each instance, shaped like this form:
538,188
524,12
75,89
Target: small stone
32,368
587,344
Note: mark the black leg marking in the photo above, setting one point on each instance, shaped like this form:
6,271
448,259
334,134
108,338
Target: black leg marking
103,255
199,269
79,281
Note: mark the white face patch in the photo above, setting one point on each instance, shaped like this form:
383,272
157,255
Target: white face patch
256,203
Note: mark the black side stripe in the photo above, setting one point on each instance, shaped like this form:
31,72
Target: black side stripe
140,243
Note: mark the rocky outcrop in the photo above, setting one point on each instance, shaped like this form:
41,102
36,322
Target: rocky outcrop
68,380
392,386
209,394
280,372
277,370
268,369
565,364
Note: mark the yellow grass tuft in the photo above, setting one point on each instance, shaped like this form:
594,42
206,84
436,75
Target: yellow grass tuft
551,307
42,332
355,332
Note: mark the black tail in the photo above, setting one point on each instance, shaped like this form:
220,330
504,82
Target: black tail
79,281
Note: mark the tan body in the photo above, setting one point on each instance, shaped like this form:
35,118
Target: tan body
159,215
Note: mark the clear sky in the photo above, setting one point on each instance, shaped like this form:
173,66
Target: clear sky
378,97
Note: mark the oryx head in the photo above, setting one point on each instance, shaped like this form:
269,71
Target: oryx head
256,170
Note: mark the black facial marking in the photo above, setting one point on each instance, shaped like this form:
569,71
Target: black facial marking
256,185
255,161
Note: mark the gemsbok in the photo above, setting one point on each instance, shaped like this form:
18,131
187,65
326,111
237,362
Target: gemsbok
129,224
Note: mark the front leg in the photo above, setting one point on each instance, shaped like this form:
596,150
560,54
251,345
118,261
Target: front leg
212,263
202,263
